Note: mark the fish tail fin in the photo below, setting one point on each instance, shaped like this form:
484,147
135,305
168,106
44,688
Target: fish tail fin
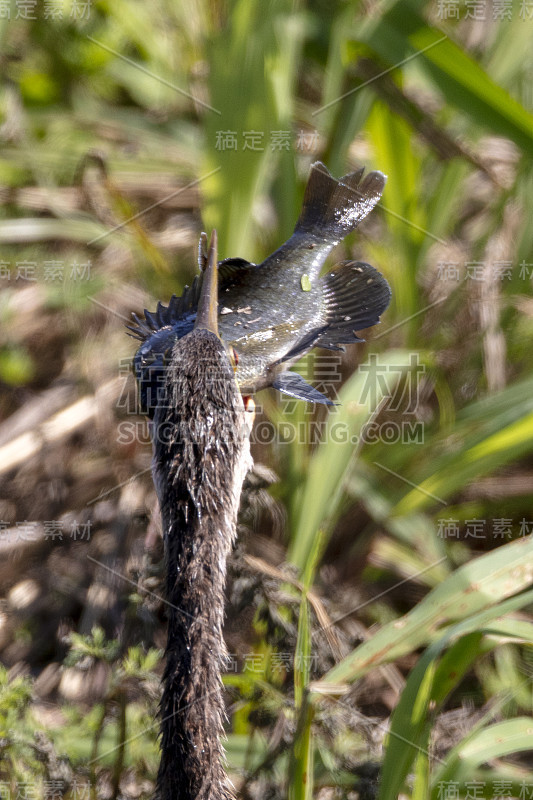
355,296
333,208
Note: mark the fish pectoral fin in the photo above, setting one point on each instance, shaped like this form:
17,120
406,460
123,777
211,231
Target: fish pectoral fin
354,295
294,385
303,345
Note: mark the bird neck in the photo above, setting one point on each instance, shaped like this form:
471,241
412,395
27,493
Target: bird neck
201,455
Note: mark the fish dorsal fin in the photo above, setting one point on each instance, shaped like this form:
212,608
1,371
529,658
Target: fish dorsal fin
180,309
355,295
294,385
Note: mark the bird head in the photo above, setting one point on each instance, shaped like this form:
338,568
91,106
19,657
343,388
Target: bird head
207,314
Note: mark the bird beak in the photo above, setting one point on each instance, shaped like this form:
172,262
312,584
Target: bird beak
207,315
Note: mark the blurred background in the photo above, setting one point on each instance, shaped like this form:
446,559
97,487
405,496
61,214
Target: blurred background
126,129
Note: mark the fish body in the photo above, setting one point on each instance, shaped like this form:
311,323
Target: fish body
270,314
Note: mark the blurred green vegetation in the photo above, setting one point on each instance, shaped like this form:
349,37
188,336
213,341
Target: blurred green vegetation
126,129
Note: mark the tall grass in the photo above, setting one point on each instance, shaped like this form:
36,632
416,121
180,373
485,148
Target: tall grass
443,107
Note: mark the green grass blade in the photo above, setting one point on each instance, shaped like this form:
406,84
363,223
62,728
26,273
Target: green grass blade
429,683
401,33
495,451
332,461
474,587
302,762
253,102
493,742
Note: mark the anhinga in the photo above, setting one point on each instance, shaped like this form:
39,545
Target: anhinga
201,456
191,382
